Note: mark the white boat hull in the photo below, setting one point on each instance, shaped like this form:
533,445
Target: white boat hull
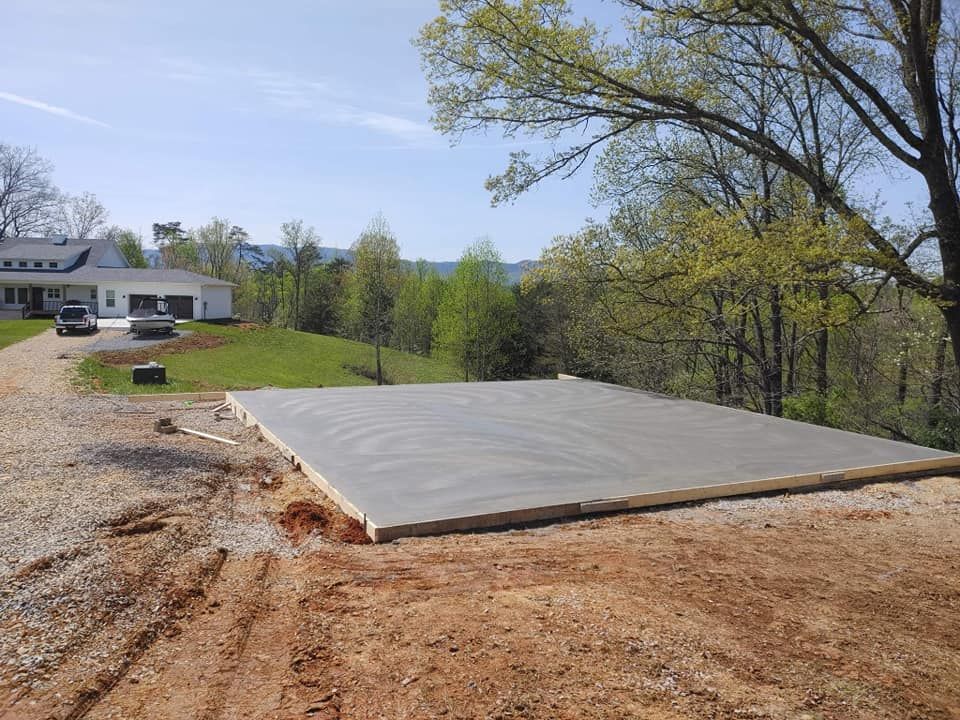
152,324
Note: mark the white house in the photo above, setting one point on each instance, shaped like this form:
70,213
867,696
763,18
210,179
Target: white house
39,275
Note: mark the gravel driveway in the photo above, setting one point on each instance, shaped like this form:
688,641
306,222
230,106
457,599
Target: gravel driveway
73,469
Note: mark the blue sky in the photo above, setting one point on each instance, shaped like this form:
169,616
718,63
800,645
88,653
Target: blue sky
261,113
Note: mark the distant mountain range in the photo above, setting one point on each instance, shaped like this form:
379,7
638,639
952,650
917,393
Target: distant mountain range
514,270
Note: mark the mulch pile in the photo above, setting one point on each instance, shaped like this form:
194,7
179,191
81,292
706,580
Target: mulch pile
196,341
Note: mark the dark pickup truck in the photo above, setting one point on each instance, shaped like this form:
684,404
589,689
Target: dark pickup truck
75,317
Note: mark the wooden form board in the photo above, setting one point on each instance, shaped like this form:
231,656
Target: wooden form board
315,477
928,466
178,397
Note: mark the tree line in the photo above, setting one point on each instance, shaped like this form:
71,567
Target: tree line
469,318
740,263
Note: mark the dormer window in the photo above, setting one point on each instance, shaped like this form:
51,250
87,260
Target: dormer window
37,264
8,263
53,265
22,263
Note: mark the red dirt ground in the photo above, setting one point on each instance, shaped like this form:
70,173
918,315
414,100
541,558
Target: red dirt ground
766,608
195,341
302,517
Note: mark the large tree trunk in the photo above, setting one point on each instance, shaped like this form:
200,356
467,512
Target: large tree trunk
952,317
379,366
945,208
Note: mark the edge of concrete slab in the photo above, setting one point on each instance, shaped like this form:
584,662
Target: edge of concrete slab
379,534
247,418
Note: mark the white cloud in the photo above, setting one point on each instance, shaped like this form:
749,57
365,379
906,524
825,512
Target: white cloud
289,92
52,109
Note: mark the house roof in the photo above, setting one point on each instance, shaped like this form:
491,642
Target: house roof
89,274
39,251
86,270
23,248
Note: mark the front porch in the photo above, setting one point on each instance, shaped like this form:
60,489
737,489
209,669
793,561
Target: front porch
44,300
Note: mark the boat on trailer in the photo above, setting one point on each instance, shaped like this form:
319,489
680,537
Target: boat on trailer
151,316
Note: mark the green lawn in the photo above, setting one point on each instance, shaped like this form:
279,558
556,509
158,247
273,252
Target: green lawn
12,331
259,356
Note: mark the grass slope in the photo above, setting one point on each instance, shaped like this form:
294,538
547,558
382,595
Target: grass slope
12,331
256,356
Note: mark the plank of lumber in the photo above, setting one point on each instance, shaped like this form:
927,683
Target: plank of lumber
208,436
177,397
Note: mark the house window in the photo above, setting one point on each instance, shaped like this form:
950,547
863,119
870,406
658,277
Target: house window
37,263
22,263
21,296
8,263
111,298
53,293
8,296
93,293
53,265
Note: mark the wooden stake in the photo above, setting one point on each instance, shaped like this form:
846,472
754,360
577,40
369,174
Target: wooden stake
208,436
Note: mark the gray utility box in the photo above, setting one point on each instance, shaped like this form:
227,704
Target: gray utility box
149,375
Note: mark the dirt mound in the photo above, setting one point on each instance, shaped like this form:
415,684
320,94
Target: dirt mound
302,517
196,341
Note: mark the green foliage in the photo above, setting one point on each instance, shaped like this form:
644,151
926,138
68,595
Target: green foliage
12,331
215,248
376,269
267,356
942,431
302,245
376,282
416,309
131,245
177,249
477,315
324,301
797,93
810,407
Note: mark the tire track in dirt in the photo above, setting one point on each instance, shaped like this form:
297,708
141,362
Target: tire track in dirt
232,652
197,578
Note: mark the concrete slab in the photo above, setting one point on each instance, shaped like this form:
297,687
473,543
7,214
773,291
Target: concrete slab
418,459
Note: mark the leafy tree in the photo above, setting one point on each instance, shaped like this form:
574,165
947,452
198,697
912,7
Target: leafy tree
376,281
244,250
691,66
177,249
131,245
216,247
324,301
416,308
302,245
477,314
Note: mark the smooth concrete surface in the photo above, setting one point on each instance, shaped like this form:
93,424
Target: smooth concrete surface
410,454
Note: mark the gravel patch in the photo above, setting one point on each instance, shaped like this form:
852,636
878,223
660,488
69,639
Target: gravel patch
118,340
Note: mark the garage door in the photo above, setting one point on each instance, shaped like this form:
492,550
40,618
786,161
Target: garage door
181,306
135,301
